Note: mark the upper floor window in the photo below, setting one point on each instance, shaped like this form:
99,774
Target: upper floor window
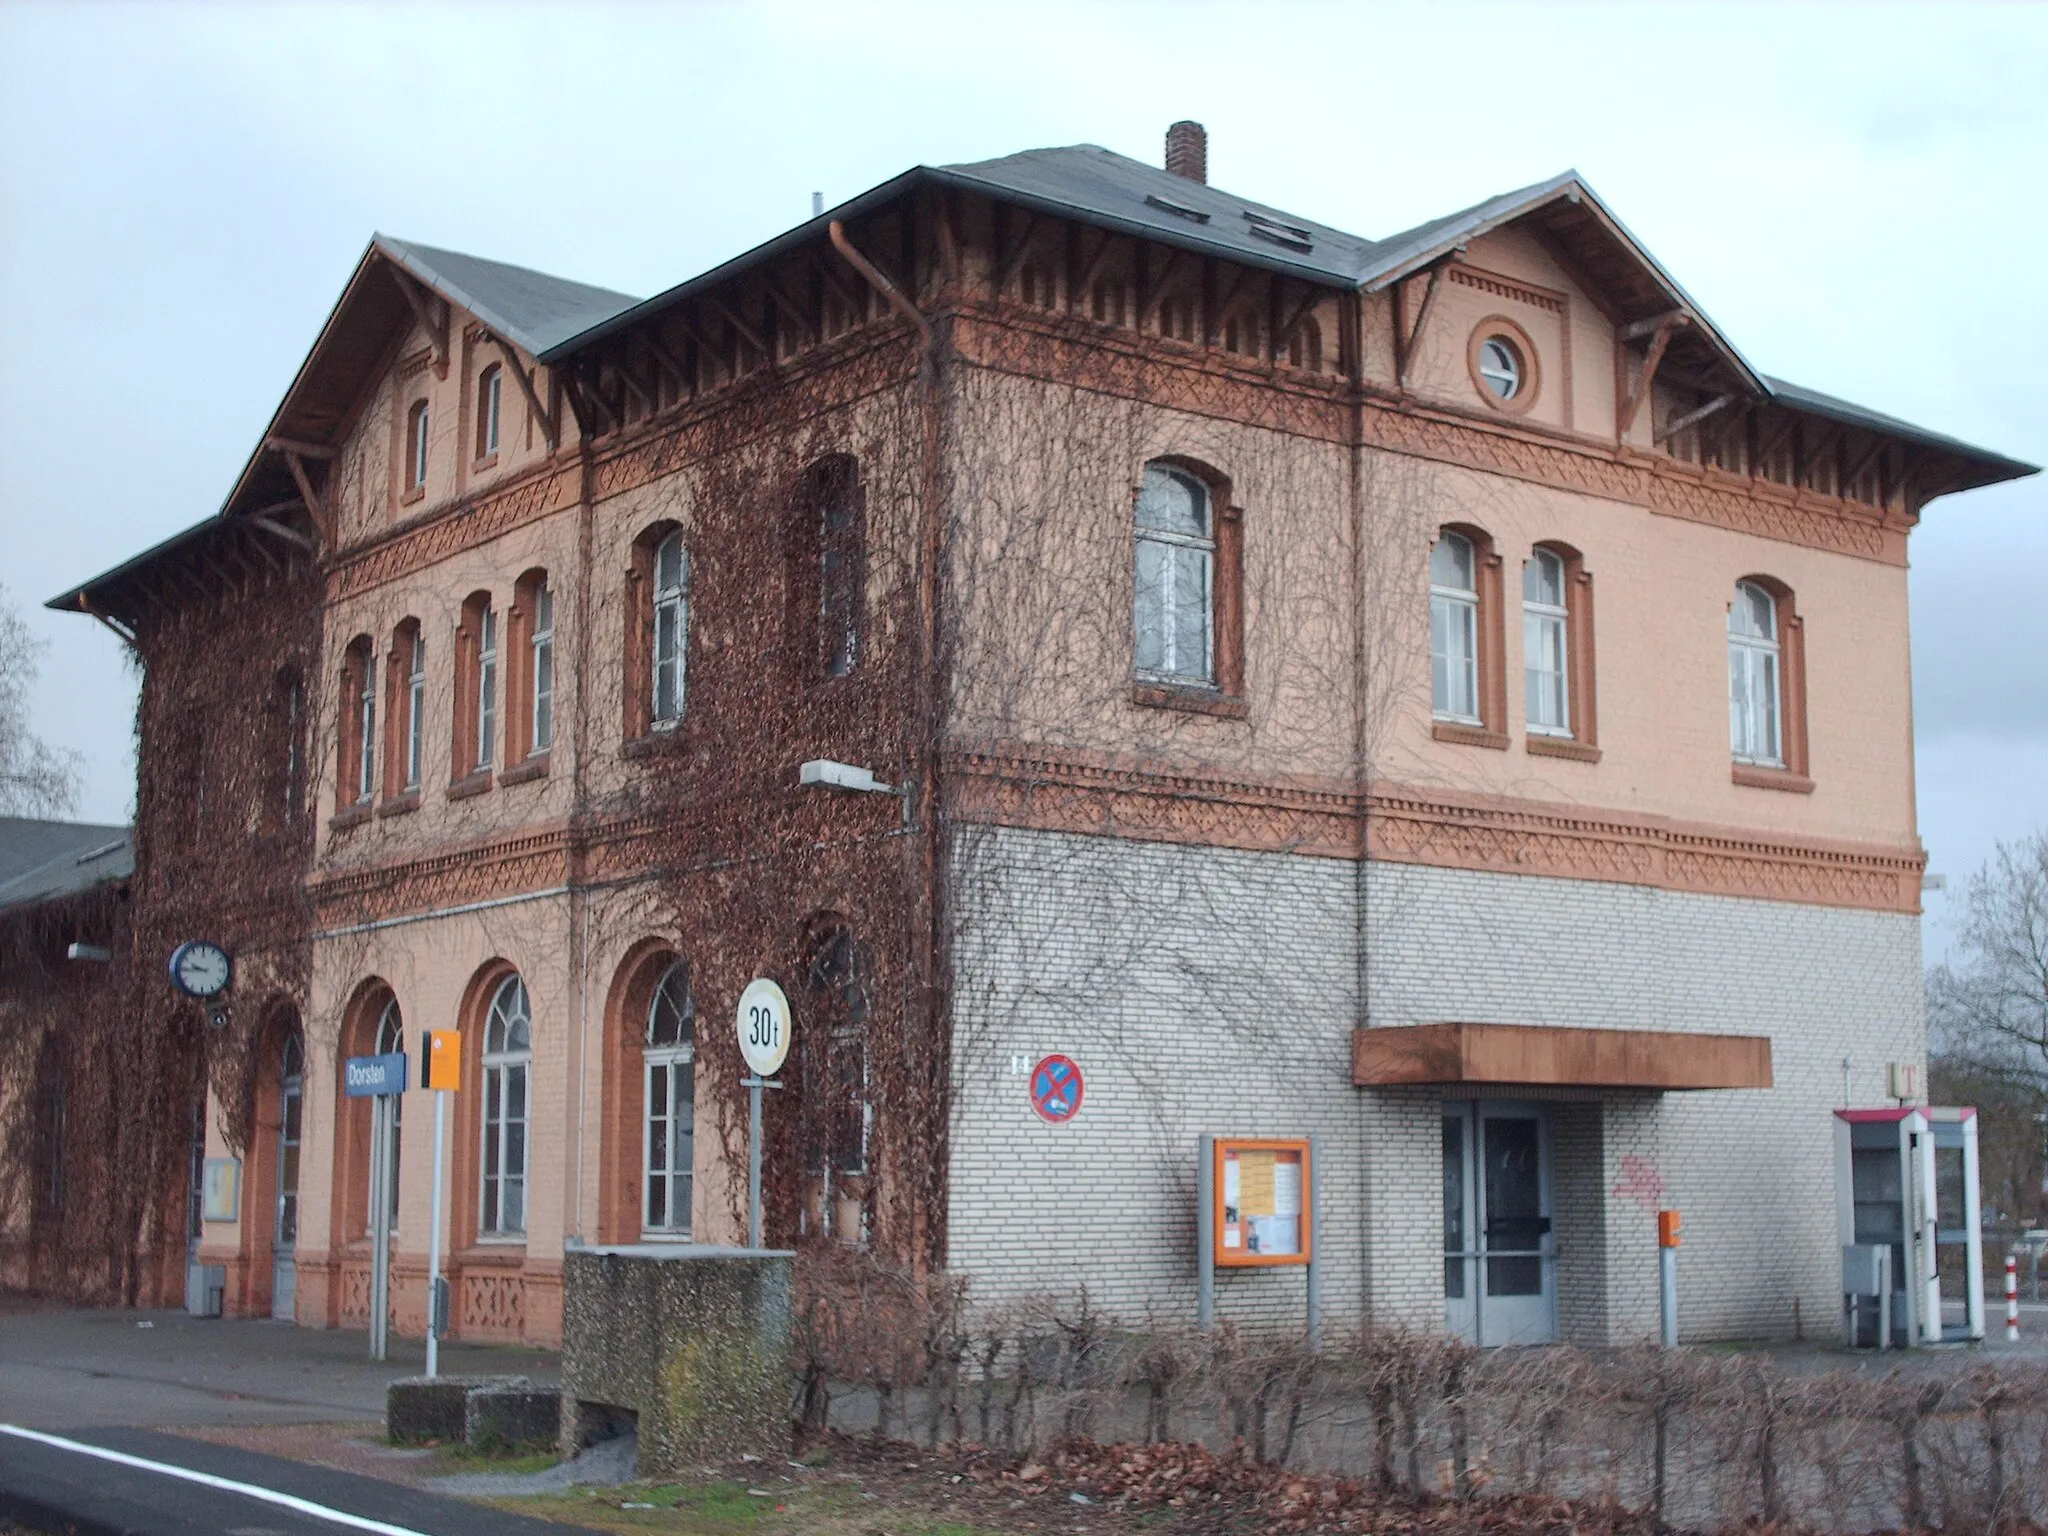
840,574
1454,629
669,1130
1755,662
413,647
543,666
1176,574
359,722
416,447
1546,651
507,1062
671,629
486,685
489,392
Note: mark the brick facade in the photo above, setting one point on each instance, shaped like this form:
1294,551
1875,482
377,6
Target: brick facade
1207,990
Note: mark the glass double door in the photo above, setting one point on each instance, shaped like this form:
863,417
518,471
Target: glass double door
1500,1254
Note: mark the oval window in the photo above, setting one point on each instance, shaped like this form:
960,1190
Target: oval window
1500,367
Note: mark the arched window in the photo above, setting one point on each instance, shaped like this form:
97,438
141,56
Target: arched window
408,707
840,571
836,1016
507,1063
530,675
291,1103
486,685
416,447
671,630
489,394
1176,570
1454,629
358,733
543,668
1546,652
390,1038
669,1073
1755,710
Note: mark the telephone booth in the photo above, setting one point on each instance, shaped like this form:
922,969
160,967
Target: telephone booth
1906,1180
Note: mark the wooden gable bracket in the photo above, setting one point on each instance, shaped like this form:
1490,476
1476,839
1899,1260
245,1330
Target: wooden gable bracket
1855,471
1406,337
1295,316
550,430
855,306
804,329
1086,281
295,456
1768,445
1157,289
1678,424
639,391
704,342
948,238
432,312
1224,303
685,386
1660,331
747,332
1019,254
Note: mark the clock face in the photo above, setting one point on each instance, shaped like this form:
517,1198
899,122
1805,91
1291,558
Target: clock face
201,969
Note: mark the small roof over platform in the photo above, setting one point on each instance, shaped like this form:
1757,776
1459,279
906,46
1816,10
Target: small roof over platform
1552,1056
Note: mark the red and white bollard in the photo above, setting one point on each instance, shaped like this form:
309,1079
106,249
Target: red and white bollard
2012,1298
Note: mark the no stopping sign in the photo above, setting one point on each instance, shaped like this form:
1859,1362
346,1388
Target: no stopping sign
1056,1089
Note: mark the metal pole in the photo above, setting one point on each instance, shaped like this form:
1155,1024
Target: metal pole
1667,1282
753,1162
2012,1298
1311,1178
434,1239
1205,1227
380,1225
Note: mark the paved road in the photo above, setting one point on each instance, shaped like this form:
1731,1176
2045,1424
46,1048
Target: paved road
129,1482
66,1370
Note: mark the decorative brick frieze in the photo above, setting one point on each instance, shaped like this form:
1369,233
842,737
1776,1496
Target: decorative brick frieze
1180,377
1117,797
452,530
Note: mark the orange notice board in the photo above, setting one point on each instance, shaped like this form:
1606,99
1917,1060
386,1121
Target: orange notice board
1262,1202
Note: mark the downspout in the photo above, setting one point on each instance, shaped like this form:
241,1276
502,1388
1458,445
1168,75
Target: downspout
928,917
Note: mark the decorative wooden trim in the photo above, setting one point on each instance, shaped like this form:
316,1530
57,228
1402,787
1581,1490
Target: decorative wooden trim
1109,796
1556,1056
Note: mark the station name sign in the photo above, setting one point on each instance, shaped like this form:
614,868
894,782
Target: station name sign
368,1077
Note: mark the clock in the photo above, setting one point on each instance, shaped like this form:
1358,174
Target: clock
200,969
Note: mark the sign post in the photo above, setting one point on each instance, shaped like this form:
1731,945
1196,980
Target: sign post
1667,1275
764,1030
441,1071
378,1079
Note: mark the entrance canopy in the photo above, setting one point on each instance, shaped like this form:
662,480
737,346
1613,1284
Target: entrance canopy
1537,1055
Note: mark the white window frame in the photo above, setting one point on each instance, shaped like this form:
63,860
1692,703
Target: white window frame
416,712
1546,633
494,380
486,686
543,668
675,1062
1756,685
1171,549
390,1037
366,729
418,420
1454,608
505,1063
671,617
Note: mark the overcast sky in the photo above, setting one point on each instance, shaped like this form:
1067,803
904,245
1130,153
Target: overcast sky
1856,195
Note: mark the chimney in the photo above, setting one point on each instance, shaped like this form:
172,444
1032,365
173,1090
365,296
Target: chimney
1187,151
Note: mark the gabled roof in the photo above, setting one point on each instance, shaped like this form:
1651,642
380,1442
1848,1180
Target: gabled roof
41,860
531,309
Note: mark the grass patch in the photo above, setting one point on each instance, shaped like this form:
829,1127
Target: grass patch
727,1509
477,1458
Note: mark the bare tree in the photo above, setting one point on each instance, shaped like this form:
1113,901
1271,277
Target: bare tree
36,779
1990,1005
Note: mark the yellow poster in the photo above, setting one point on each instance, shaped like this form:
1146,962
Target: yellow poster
1254,1184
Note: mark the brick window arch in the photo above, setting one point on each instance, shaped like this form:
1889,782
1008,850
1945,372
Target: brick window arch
1559,702
657,639
1467,646
405,698
478,677
1187,588
529,673
1767,687
356,776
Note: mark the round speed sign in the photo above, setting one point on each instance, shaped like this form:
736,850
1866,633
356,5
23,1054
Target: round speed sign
764,1027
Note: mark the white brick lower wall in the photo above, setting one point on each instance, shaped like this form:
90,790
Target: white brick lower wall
1206,990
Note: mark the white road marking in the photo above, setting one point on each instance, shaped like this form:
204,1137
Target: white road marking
208,1480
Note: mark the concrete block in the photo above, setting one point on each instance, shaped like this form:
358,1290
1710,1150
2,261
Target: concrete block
514,1416
692,1342
421,1408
